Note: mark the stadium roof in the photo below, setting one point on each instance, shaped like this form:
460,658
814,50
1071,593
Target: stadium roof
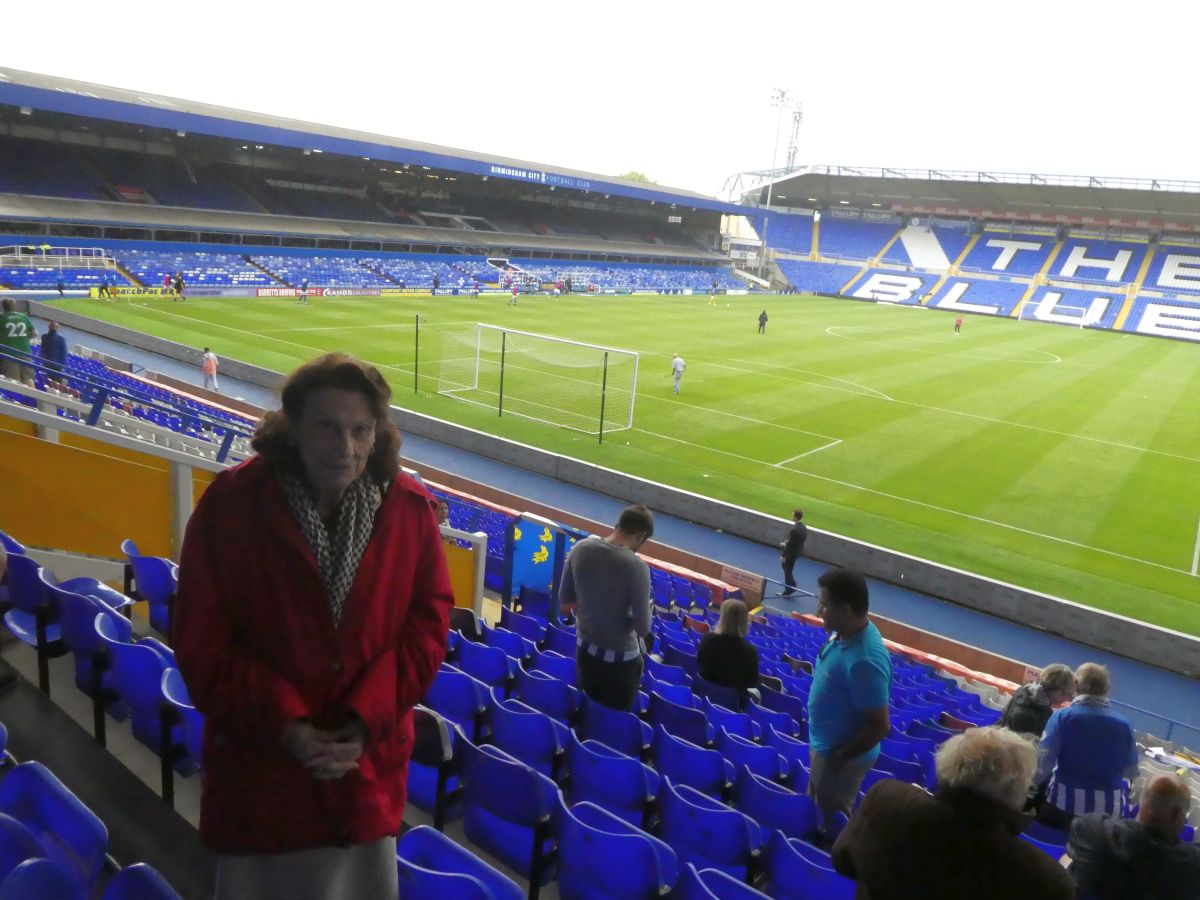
62,95
1066,199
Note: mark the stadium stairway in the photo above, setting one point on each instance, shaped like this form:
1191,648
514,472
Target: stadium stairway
132,278
141,826
265,271
375,269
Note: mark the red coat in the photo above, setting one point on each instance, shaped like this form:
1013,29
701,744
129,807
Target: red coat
255,641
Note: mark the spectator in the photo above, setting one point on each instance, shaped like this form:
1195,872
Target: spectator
1031,704
848,700
61,287
1089,749
609,586
312,616
54,353
762,322
724,656
1143,857
962,841
793,549
16,352
208,363
443,512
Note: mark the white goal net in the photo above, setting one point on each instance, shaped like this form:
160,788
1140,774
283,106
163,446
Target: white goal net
571,384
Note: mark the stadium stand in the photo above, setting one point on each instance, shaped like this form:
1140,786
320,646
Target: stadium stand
1008,253
632,276
321,270
817,277
792,234
199,268
853,239
47,278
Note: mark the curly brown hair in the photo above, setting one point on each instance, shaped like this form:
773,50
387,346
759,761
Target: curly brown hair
272,437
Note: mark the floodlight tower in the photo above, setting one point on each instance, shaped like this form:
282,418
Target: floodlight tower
781,99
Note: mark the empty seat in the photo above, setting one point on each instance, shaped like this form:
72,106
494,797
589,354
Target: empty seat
490,665
435,767
461,699
796,752
43,879
553,696
592,839
556,665
527,627
707,771
139,882
728,697
775,807
782,722
685,722
155,580
738,723
69,833
621,784
432,865
792,875
510,642
623,731
528,735
560,640
663,672
764,761
706,832
712,884
32,619
508,810
17,844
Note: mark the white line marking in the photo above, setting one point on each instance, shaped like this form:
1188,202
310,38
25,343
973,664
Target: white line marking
807,453
1196,552
832,331
924,505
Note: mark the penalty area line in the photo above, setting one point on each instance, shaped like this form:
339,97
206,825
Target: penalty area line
833,443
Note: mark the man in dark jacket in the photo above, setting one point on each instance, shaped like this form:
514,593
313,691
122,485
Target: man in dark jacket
1142,857
1032,704
793,549
54,352
963,841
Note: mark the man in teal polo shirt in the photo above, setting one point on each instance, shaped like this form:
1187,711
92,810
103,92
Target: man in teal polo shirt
848,701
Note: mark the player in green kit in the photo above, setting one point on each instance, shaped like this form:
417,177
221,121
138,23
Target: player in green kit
16,331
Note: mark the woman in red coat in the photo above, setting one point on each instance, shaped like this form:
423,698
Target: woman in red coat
312,615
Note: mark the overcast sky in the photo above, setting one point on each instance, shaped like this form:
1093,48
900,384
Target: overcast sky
679,90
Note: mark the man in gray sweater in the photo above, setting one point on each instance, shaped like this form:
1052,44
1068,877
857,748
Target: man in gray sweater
609,587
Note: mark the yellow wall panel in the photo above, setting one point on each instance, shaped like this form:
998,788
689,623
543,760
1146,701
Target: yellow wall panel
17,426
81,500
462,574
127,454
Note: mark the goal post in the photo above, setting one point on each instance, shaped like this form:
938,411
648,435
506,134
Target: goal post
584,387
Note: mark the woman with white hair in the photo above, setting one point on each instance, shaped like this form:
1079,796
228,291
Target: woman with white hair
962,841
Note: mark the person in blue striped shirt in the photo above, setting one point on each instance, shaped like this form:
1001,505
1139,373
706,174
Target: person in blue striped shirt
1088,750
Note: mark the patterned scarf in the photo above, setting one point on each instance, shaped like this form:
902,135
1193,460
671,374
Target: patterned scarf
338,550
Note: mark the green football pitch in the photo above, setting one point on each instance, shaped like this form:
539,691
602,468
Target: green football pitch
1062,460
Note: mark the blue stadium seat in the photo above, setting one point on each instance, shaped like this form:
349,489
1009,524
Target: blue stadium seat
431,865
510,642
179,712
509,810
528,735
11,545
734,722
527,627
139,882
705,832
676,693
763,761
792,875
32,619
560,640
155,579
782,722
592,839
620,730
553,696
69,833
436,765
797,754
774,807
17,844
728,697
462,699
707,771
621,784
43,879
93,662
555,664
663,672
685,722
490,665
784,703
675,654
711,884
138,671
1055,851
902,770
